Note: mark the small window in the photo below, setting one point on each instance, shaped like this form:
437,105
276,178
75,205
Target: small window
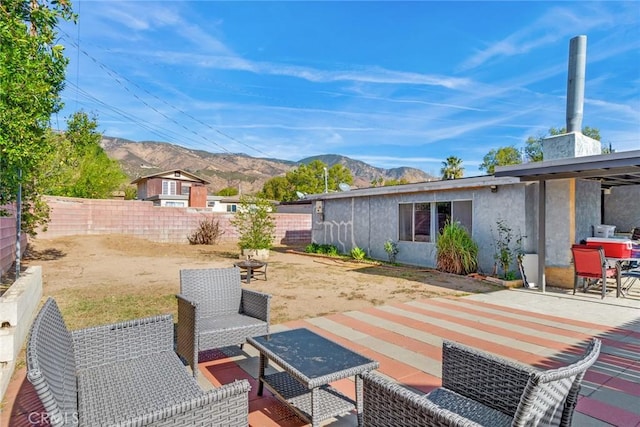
405,222
184,188
231,208
414,222
462,212
169,188
444,214
414,219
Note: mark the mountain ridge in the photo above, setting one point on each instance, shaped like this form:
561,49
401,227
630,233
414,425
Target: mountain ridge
141,158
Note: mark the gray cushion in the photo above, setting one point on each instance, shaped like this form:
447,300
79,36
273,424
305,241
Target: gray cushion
468,408
111,393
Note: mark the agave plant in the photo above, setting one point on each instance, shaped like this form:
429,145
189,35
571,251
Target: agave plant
358,253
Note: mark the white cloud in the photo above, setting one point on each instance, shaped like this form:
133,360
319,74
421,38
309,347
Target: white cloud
558,23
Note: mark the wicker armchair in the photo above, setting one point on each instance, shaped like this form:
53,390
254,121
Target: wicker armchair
479,389
123,374
214,311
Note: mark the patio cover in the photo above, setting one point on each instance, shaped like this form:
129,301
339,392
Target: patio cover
611,170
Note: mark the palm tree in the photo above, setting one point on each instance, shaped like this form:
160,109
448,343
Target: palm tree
452,168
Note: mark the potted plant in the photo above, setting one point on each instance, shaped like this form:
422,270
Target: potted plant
255,226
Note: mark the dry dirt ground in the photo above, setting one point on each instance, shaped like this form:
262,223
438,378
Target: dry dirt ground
102,279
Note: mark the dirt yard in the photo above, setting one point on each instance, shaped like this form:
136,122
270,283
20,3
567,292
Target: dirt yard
102,279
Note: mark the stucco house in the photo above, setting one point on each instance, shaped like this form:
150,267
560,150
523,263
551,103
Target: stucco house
550,204
413,214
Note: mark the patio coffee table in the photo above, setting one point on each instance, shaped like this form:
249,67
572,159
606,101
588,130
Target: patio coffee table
310,362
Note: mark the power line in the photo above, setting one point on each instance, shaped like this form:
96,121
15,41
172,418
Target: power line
116,77
163,133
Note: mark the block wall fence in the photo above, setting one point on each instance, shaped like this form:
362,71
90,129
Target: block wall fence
74,216
8,239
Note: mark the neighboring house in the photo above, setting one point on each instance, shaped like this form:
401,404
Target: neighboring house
413,214
175,188
225,204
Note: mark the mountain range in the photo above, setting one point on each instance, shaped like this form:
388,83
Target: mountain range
236,170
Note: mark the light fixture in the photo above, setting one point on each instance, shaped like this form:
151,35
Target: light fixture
494,188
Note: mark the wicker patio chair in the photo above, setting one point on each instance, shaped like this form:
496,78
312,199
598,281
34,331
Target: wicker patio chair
480,389
214,311
122,374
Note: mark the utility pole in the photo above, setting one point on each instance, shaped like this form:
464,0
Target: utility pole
326,180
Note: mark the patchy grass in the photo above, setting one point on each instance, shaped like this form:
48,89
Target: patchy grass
104,279
353,295
81,310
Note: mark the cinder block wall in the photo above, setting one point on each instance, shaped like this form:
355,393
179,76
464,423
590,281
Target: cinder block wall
8,240
71,216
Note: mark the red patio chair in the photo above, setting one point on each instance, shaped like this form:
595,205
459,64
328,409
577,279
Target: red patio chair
590,265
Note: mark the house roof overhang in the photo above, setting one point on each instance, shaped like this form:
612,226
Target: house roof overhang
419,187
613,169
167,174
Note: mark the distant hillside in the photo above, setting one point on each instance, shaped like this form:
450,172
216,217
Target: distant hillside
233,170
363,173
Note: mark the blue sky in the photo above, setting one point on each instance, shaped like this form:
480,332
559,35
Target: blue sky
389,83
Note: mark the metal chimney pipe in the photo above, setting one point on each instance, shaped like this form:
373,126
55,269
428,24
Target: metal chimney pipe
575,83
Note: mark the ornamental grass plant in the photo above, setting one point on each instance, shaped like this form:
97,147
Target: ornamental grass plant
456,252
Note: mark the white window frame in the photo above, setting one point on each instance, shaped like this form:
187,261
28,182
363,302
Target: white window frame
169,188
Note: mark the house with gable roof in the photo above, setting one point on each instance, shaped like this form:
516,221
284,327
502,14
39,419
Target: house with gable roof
175,188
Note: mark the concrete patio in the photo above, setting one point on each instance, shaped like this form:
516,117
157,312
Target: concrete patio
543,330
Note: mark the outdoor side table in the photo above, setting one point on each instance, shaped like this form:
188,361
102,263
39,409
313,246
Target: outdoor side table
310,362
250,265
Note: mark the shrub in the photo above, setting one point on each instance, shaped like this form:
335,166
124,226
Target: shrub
357,253
207,233
325,249
312,248
391,248
332,250
456,252
506,252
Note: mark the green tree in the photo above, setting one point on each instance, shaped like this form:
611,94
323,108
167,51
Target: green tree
308,179
32,73
228,191
279,188
533,148
376,182
338,174
391,182
501,157
452,168
79,167
533,145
